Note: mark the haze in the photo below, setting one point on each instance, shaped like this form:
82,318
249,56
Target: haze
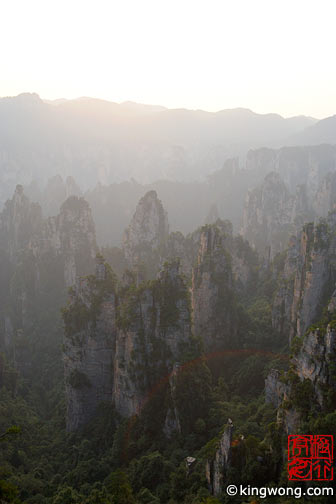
264,55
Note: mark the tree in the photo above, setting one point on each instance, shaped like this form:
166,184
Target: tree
118,486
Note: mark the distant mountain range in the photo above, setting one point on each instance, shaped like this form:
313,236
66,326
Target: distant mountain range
320,132
100,141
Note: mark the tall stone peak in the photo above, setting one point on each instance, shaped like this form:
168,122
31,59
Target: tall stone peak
310,381
148,231
216,469
308,277
20,223
325,197
72,233
75,219
39,258
212,240
299,186
271,214
126,340
296,165
213,289
224,268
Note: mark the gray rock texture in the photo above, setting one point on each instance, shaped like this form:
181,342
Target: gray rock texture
216,468
145,238
127,347
308,277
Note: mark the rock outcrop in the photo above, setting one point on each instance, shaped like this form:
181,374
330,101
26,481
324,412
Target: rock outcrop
217,467
308,278
35,254
275,389
310,382
185,248
314,361
298,188
283,299
145,239
325,198
124,341
224,269
271,214
213,303
172,422
20,222
89,344
296,165
71,234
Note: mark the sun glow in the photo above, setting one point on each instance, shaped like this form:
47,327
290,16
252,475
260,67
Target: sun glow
266,55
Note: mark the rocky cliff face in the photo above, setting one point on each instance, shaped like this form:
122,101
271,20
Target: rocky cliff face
216,469
124,342
225,266
325,198
275,389
145,239
36,254
298,188
20,222
283,299
308,278
71,234
296,165
147,243
185,248
213,291
314,361
89,343
311,380
146,334
312,276
271,214
172,421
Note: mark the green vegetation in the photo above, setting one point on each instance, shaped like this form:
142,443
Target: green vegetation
78,313
131,460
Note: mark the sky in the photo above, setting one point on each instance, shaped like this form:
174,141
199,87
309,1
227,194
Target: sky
266,55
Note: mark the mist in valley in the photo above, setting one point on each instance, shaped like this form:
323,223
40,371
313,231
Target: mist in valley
167,267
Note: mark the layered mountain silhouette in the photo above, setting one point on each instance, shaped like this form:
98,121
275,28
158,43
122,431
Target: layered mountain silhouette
100,141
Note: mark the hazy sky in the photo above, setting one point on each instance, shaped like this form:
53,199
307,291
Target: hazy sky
267,55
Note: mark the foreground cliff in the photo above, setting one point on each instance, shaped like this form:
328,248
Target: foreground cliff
224,270
308,277
310,384
213,300
120,341
217,468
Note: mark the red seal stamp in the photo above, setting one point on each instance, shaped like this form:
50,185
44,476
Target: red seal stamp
310,457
